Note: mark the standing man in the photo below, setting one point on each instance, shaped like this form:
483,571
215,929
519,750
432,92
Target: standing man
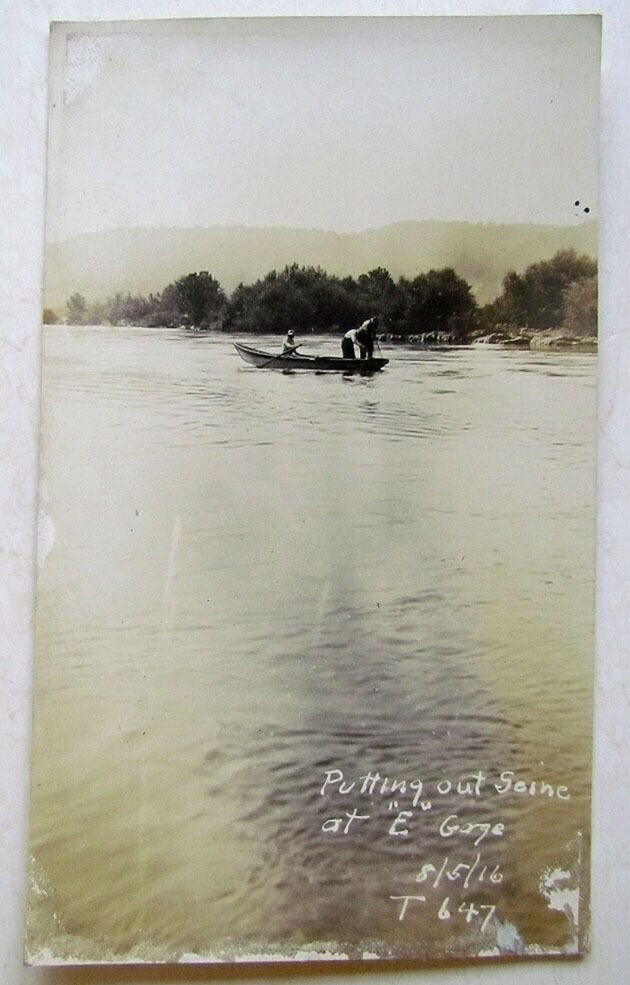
363,336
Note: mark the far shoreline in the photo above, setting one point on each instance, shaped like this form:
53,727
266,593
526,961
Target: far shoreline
554,340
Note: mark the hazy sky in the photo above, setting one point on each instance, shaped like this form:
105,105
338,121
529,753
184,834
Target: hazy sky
337,124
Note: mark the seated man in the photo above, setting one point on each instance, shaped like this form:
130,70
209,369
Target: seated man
363,336
289,343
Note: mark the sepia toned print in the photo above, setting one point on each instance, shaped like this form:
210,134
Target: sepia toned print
314,622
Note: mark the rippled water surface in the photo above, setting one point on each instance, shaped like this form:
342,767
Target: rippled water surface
256,577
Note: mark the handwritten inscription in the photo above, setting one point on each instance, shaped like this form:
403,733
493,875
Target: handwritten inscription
468,785
470,911
469,873
460,813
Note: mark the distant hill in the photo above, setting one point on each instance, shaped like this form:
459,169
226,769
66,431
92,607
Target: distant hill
143,260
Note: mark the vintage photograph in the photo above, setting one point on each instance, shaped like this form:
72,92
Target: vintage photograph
315,592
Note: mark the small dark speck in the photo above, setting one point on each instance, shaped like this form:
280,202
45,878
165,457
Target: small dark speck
136,512
587,209
578,202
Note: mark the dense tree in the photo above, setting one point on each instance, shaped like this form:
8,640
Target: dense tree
305,299
166,309
308,299
197,296
438,301
97,313
536,298
580,307
558,292
76,310
200,297
378,295
128,309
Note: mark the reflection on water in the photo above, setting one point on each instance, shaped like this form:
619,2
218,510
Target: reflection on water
257,577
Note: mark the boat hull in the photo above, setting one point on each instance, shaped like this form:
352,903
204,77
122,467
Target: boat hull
317,364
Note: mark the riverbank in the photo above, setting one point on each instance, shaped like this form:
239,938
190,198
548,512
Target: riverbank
547,339
554,339
521,339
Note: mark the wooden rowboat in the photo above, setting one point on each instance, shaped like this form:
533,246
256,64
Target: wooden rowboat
321,364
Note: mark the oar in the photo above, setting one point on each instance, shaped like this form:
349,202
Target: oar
281,355
291,348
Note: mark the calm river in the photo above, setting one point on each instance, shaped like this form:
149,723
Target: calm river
253,578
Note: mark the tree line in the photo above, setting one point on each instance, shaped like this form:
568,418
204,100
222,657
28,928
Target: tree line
560,293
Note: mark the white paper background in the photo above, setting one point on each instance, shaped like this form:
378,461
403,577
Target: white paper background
23,71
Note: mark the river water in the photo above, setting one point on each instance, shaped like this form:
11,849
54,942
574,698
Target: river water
253,578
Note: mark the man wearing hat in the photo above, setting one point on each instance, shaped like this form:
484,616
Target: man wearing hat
289,343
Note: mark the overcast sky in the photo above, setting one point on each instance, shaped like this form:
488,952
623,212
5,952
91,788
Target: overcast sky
340,124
